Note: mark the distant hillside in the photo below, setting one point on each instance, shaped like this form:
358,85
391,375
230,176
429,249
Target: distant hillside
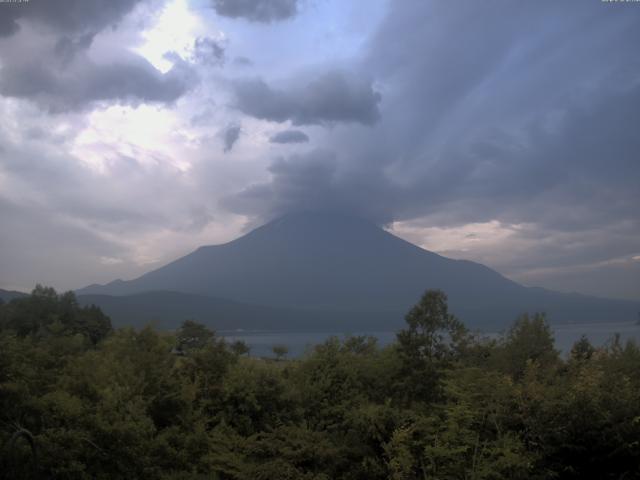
319,262
168,309
8,295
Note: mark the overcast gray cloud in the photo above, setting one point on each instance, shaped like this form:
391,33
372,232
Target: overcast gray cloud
487,123
47,60
509,112
308,179
130,80
312,181
289,136
8,25
331,97
264,11
66,250
230,136
115,198
66,16
208,51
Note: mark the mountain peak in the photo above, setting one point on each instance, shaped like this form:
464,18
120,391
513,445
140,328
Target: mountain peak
321,216
329,221
313,233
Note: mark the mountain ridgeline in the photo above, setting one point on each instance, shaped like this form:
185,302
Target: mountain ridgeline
313,271
8,295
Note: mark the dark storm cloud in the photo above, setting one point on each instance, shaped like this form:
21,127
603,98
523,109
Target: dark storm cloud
66,48
311,181
8,25
130,80
308,178
66,16
331,97
579,174
230,136
47,60
508,112
263,11
289,136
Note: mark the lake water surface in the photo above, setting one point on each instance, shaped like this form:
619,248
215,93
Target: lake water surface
261,343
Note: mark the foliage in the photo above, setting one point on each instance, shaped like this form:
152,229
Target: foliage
79,400
433,339
44,313
280,351
529,340
239,347
193,336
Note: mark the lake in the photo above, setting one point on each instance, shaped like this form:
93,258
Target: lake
261,343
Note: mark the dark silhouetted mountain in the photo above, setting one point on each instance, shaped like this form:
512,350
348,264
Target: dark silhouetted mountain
334,266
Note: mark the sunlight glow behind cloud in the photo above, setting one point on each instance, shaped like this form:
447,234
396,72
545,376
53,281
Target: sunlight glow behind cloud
174,32
145,133
456,240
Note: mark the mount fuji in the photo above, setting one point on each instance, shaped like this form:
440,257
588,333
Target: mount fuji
322,270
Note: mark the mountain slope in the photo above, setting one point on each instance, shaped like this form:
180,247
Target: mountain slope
337,263
168,309
8,295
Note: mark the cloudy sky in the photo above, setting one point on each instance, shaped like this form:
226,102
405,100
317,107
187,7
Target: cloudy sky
133,131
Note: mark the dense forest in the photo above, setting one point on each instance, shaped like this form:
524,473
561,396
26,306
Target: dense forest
80,400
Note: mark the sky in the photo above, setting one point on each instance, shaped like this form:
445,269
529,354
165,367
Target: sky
134,131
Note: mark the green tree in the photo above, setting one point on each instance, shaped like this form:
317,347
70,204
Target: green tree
254,397
280,351
240,348
44,313
582,349
193,336
529,340
433,339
